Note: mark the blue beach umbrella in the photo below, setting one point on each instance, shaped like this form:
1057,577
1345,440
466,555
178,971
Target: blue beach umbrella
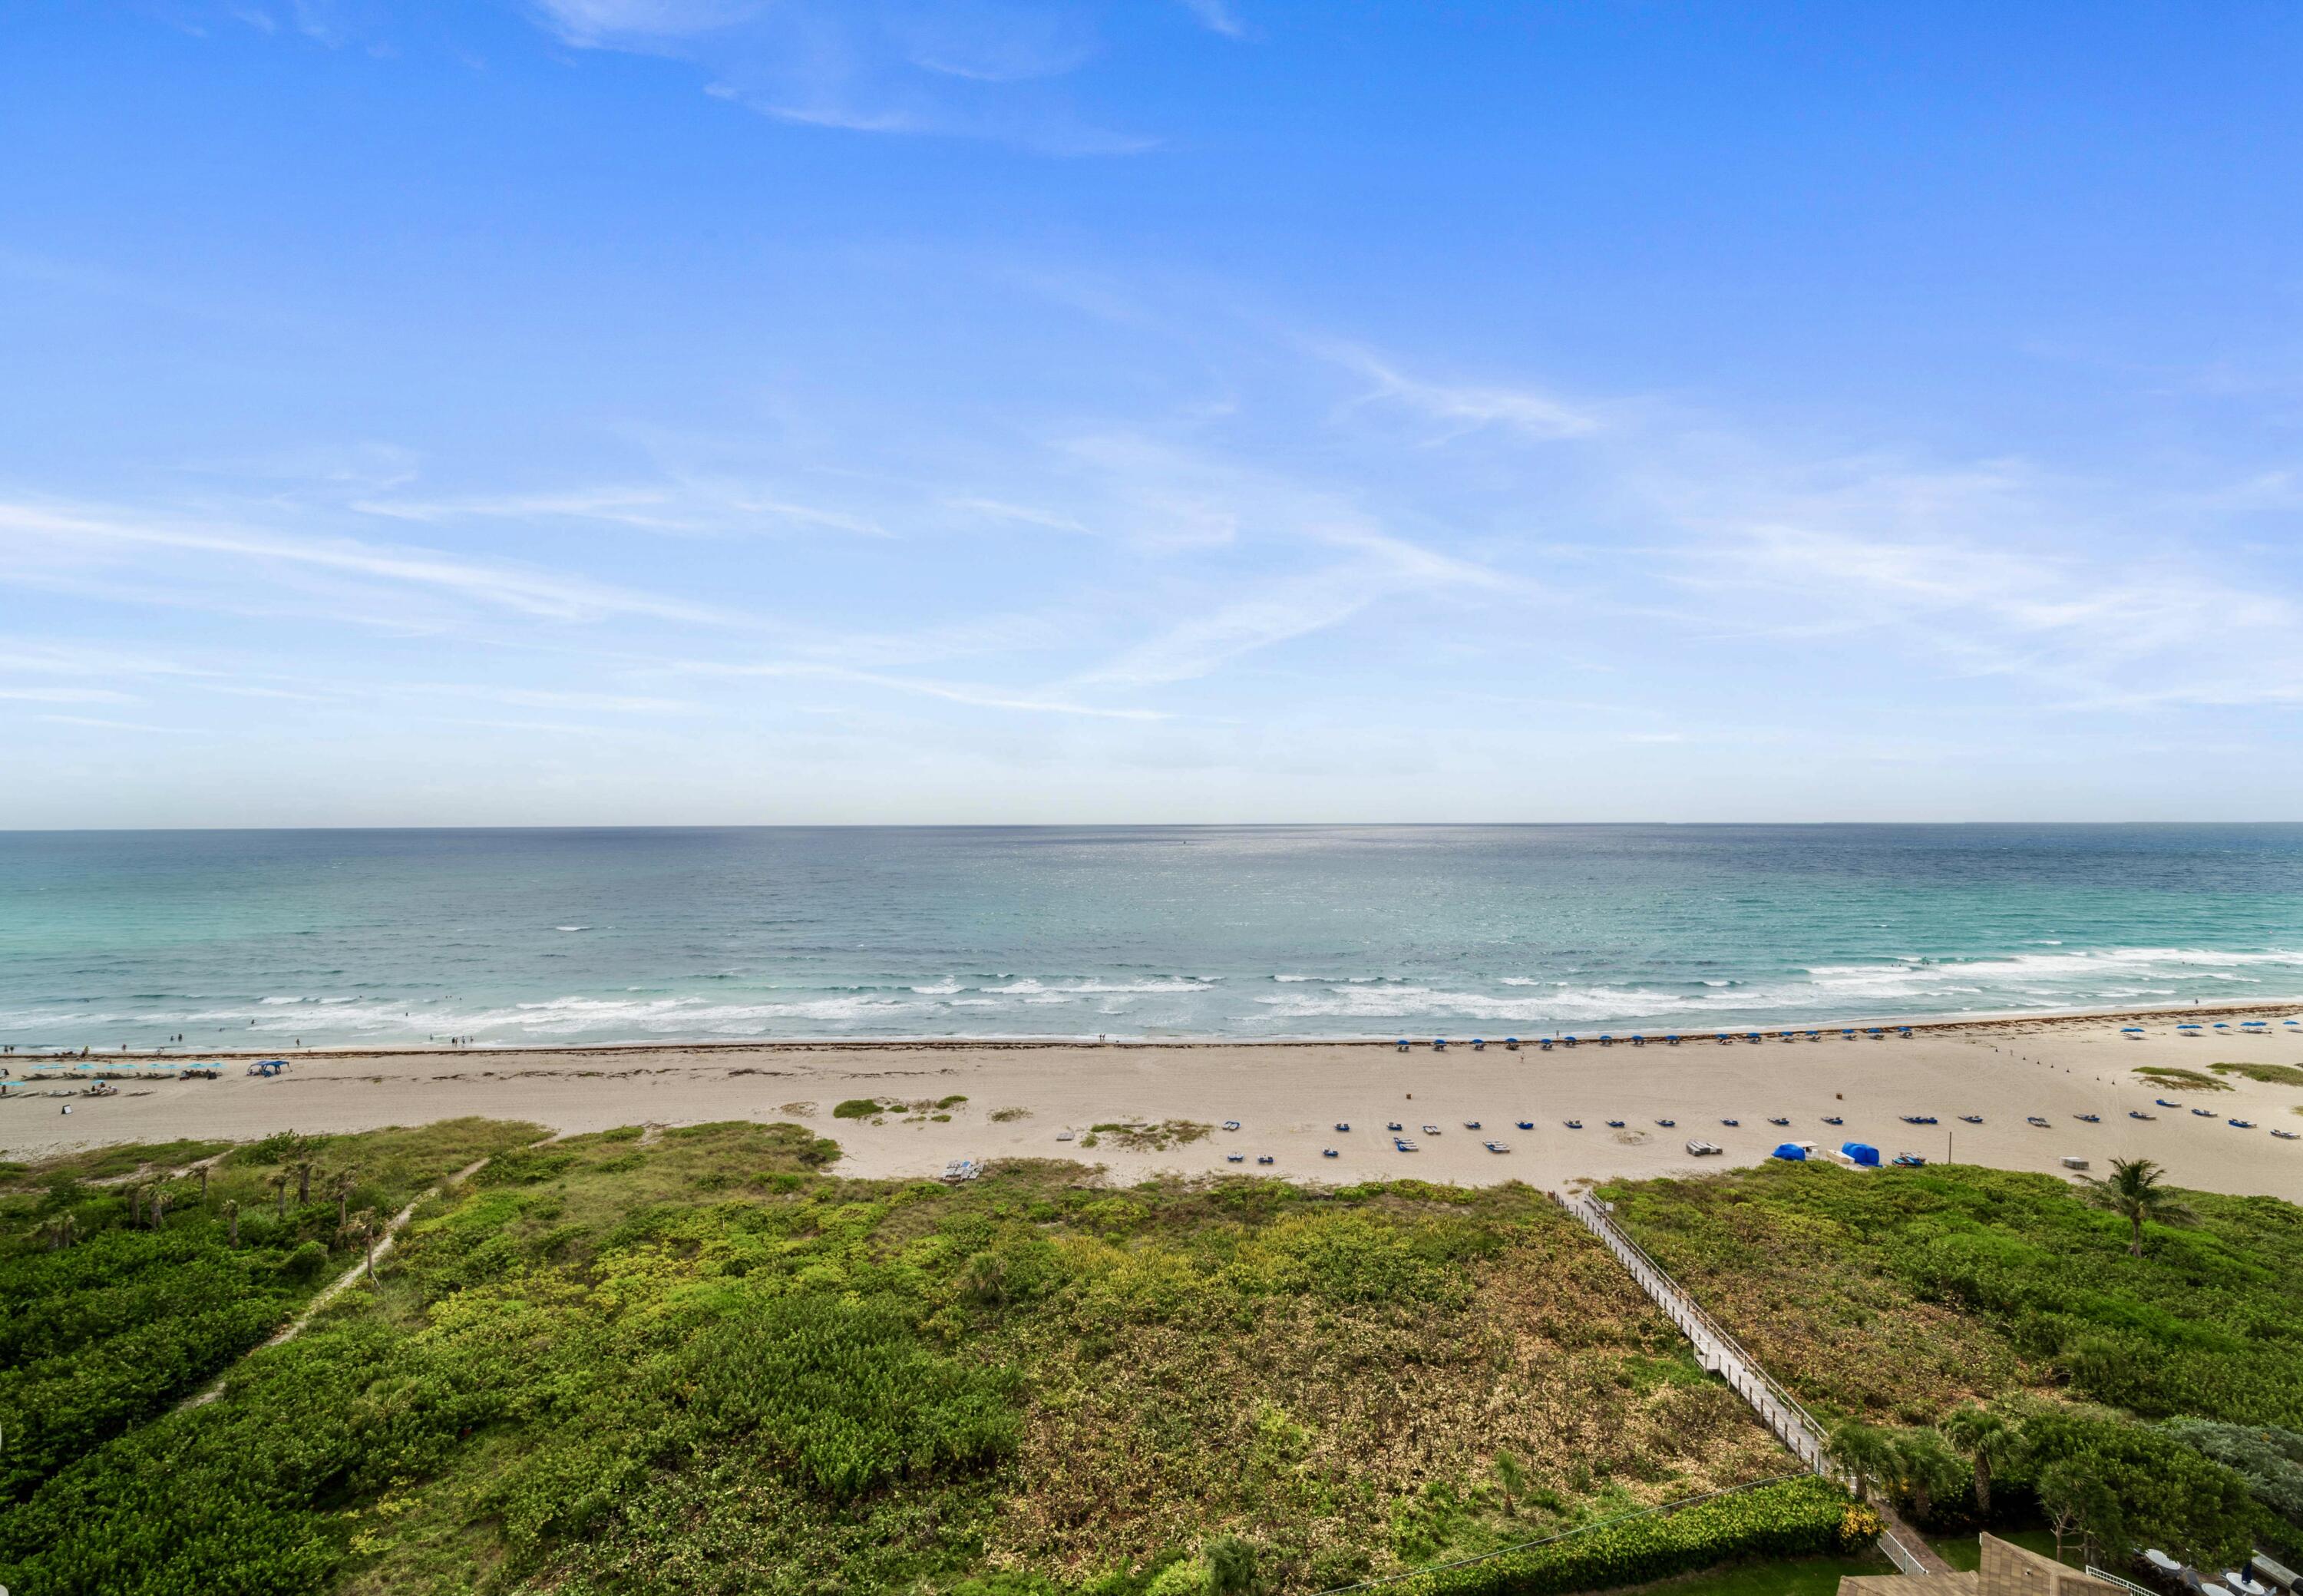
2131,1030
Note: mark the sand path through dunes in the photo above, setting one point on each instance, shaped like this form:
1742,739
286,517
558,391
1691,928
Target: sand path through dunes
1288,1098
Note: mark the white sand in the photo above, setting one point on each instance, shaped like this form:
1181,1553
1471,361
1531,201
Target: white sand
1288,1097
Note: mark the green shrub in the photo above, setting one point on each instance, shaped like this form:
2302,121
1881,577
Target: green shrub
1796,1518
857,1108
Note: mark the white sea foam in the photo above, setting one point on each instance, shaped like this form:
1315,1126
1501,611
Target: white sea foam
571,928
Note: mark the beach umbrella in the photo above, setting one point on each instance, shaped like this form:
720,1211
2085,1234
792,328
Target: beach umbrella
2132,1030
1510,1042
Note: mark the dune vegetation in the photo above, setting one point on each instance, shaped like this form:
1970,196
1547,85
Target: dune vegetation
700,1361
2108,1359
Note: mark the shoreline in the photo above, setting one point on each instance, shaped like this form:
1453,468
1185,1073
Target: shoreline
1937,1025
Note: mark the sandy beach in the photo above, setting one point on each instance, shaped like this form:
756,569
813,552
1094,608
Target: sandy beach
1289,1097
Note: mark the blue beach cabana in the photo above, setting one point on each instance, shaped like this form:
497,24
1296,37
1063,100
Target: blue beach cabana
1859,1152
1791,1153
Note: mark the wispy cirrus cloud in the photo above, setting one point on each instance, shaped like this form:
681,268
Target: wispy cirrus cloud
42,543
675,507
1461,407
978,68
973,693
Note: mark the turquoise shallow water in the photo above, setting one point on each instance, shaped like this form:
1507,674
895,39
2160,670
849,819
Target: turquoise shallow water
264,938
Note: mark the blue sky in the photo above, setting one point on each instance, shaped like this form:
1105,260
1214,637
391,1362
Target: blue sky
709,410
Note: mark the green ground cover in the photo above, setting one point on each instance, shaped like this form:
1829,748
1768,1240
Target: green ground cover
2189,1080
2269,1074
121,1289
705,1364
2151,1395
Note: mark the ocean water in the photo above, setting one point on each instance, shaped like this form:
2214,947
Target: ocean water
269,938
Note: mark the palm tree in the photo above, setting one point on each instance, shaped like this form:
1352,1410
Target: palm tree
1986,1439
1865,1451
343,1185
1923,1467
2134,1193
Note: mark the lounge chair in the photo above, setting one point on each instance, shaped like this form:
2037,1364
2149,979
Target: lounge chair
1736,1122
1431,1130
2244,1124
1576,1125
1235,1158
1527,1125
1777,1120
2035,1120
1393,1125
1402,1143
1833,1119
1666,1124
2203,1113
1231,1125
1471,1125
2090,1119
1614,1124
2286,1136
1264,1158
1909,1161
1497,1146
1328,1153
2140,1114
1704,1149
1343,1125
1970,1118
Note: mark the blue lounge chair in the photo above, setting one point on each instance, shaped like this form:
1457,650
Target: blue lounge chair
1343,1125
1327,1153
1527,1125
1576,1125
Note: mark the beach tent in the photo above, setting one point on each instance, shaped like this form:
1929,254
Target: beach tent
1861,1153
1791,1153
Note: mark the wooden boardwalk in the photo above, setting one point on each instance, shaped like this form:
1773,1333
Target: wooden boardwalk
1722,1355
